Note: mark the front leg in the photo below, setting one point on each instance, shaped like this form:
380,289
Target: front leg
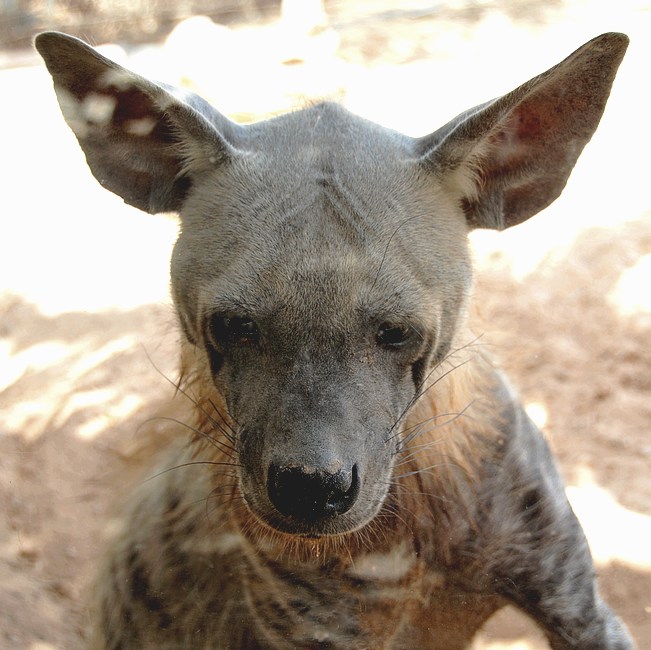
535,546
553,581
604,632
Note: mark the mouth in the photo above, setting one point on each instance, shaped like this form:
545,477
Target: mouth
333,526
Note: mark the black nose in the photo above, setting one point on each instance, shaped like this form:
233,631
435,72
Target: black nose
310,495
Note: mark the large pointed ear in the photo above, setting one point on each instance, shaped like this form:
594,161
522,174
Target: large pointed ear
511,158
143,141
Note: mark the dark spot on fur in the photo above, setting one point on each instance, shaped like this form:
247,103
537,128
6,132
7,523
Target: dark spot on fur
140,585
275,616
532,596
132,559
171,517
173,501
300,606
358,584
531,503
141,590
167,535
114,644
182,186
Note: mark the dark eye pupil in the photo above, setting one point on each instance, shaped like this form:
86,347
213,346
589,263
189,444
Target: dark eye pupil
392,335
235,329
243,327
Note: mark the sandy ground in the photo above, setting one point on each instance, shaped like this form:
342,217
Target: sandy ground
87,332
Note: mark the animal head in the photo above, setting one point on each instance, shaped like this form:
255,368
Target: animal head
322,266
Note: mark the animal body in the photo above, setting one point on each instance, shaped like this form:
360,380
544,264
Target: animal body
358,475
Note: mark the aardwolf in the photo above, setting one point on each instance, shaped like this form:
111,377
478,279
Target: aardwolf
360,475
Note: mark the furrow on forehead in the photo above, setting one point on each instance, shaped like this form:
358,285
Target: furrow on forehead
347,208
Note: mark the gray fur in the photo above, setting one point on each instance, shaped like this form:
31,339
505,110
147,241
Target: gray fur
321,277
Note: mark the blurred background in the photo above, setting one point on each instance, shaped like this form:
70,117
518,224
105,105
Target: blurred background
87,333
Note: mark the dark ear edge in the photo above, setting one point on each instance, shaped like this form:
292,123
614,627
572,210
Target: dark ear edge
510,158
142,141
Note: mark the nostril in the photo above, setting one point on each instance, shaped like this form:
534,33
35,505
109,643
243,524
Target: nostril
312,495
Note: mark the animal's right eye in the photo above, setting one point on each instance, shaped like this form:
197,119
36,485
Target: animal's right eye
393,335
241,330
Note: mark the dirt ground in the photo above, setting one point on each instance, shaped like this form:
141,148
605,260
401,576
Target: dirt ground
87,333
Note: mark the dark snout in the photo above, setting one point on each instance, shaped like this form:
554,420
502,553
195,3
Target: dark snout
307,494
316,465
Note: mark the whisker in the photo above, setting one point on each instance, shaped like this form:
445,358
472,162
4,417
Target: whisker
425,386
396,511
423,493
423,470
188,464
186,394
230,436
416,451
446,461
453,417
221,490
218,444
436,417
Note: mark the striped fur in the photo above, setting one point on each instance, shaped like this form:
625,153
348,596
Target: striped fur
357,474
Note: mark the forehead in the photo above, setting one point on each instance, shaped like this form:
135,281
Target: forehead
303,276
324,208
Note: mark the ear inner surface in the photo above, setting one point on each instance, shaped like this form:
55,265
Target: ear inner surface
511,158
140,139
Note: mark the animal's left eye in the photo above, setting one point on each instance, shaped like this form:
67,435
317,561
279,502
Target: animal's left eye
393,335
234,329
